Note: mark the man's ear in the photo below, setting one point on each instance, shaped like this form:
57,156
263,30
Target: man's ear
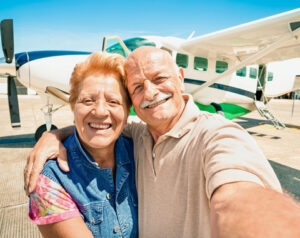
181,78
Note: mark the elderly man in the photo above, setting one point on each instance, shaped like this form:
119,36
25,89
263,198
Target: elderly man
197,174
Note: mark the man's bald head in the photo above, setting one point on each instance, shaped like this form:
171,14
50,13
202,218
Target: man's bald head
145,55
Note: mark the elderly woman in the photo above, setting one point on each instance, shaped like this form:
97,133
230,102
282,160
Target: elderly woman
98,196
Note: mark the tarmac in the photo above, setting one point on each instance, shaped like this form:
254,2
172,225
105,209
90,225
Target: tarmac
281,147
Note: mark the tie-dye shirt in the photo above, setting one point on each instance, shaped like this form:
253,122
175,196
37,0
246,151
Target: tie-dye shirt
51,203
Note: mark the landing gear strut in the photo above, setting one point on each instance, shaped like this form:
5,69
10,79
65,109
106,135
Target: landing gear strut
47,111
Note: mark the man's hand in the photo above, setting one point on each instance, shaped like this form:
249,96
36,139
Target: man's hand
49,146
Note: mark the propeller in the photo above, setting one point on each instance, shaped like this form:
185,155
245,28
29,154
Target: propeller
13,102
7,38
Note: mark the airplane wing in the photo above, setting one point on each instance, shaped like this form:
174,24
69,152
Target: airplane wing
243,41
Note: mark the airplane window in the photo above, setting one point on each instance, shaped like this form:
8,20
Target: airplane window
200,63
182,60
242,72
253,73
270,76
221,66
131,44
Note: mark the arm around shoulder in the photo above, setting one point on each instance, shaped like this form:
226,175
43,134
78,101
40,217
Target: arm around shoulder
49,146
246,209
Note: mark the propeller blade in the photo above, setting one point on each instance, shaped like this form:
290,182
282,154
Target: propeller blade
13,102
7,38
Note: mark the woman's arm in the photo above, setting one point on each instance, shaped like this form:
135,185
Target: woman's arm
54,211
71,228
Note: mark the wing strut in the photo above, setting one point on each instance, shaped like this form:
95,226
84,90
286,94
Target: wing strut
275,45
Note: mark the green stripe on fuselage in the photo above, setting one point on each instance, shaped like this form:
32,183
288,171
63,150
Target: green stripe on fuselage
231,111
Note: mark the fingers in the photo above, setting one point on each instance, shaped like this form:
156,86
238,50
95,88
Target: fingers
33,168
62,159
27,171
35,171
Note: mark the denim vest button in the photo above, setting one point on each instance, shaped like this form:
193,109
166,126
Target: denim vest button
116,229
108,196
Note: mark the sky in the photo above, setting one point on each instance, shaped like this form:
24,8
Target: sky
82,24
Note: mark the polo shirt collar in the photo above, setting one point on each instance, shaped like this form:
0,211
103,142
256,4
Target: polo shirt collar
185,122
187,119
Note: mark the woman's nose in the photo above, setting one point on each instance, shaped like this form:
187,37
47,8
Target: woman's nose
101,109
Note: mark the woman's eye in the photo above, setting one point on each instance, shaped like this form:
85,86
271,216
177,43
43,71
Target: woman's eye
88,101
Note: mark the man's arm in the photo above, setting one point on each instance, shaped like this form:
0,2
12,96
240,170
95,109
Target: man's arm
246,209
71,228
49,146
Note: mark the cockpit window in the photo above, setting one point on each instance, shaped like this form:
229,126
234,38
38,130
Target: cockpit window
131,44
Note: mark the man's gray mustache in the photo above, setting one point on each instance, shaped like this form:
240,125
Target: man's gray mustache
160,97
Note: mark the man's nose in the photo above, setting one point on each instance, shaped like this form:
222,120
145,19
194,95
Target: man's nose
150,90
101,109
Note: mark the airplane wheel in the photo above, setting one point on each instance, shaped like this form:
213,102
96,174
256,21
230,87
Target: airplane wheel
39,132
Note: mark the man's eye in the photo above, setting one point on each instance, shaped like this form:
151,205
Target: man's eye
160,79
114,101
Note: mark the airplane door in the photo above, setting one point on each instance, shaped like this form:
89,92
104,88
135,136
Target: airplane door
260,82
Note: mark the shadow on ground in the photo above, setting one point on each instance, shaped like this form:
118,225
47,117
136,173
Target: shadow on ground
247,122
288,177
19,141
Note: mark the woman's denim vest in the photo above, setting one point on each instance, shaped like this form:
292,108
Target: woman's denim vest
108,209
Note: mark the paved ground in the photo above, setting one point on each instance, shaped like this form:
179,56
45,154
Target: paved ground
281,147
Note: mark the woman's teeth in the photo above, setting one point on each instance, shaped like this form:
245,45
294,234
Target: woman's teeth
99,126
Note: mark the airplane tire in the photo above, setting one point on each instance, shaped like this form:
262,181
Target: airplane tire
39,132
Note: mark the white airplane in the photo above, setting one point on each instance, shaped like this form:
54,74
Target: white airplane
226,71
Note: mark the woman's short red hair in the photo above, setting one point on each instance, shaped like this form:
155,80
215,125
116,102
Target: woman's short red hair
97,63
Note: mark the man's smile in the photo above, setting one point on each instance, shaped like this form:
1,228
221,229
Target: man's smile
157,103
